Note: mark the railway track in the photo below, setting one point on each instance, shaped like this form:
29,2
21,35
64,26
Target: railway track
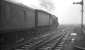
52,41
36,40
51,44
45,42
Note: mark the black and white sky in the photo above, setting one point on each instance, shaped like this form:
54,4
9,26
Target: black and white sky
63,9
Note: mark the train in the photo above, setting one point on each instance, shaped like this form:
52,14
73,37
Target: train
19,21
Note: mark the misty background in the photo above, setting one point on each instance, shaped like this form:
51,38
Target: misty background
65,10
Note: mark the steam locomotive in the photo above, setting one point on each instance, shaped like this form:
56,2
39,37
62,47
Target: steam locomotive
19,21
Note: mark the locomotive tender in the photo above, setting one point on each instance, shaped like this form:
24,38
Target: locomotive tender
17,20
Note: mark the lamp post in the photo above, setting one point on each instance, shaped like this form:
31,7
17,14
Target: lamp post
82,4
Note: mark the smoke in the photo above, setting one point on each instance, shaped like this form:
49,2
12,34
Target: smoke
47,4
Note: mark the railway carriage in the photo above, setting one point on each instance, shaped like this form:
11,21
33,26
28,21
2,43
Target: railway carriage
19,23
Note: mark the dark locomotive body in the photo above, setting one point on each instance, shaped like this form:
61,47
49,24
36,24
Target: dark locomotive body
19,23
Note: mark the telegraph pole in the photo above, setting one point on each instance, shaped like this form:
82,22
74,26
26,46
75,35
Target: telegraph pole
82,5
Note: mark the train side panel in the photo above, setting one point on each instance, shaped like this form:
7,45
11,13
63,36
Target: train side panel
16,17
55,20
43,19
50,20
29,18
